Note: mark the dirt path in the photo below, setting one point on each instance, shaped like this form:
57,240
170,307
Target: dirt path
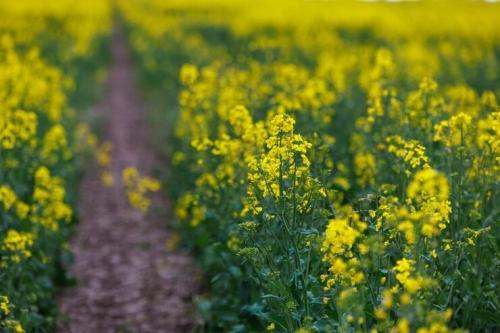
127,280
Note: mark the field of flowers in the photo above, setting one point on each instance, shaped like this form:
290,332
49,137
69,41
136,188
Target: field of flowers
51,55
335,165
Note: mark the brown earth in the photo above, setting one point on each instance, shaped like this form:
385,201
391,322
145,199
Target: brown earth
127,279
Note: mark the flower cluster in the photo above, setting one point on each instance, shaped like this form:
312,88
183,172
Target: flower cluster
137,187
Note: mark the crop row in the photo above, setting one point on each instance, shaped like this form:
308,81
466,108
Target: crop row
50,58
335,165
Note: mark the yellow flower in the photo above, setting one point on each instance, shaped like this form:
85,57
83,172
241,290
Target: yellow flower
387,300
18,328
403,269
22,209
454,131
7,197
14,325
4,305
429,191
403,326
103,154
233,243
428,183
54,139
137,187
405,299
339,236
365,168
188,74
380,314
410,152
18,243
107,178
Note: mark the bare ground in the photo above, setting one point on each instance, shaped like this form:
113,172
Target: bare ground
127,280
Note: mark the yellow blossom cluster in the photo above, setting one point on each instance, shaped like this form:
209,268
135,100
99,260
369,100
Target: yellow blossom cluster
137,187
339,239
18,244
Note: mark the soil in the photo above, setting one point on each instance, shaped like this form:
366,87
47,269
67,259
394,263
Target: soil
127,279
